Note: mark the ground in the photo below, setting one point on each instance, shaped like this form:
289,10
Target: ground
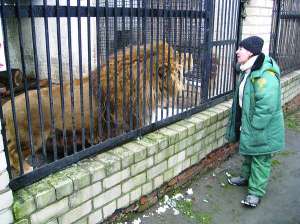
209,199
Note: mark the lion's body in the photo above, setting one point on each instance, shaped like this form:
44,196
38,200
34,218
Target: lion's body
171,76
21,117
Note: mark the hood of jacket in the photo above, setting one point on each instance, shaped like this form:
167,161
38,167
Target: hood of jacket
262,64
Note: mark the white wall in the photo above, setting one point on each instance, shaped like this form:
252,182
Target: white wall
258,21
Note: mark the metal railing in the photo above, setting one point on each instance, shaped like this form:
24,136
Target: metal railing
99,73
285,34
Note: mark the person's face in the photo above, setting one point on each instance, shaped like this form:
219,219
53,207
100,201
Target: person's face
243,55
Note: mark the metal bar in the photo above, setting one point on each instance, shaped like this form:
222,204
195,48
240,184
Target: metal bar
27,103
64,11
71,79
189,58
213,82
50,83
130,68
204,88
180,56
107,71
194,87
276,14
151,64
41,172
124,74
37,74
199,71
218,47
175,58
3,124
228,47
156,64
168,74
163,62
115,70
144,26
184,57
224,47
238,36
91,104
80,77
99,92
61,80
137,112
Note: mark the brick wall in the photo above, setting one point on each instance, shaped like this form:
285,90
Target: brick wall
258,21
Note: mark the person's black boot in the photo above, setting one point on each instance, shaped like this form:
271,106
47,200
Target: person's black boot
238,181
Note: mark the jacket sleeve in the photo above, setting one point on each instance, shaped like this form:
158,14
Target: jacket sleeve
266,90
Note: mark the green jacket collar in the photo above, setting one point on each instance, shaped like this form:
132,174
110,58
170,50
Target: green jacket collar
264,63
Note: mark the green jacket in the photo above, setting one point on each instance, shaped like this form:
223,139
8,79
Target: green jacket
259,125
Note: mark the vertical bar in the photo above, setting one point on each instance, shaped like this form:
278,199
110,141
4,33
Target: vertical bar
175,56
163,62
145,59
227,47
156,67
218,50
71,77
169,51
138,69
115,68
90,75
276,16
32,151
224,13
16,129
199,55
107,71
130,68
36,68
232,53
184,55
208,26
80,75
61,79
189,56
50,81
99,92
212,78
151,63
179,47
238,35
125,118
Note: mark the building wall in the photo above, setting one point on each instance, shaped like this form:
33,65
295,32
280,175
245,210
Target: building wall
258,21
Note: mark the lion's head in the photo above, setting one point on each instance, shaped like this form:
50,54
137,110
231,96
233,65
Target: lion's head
139,79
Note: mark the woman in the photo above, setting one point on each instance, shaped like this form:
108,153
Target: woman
256,118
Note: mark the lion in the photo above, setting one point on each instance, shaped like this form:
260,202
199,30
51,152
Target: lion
167,75
71,121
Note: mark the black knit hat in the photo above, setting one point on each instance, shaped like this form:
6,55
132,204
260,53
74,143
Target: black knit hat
253,44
